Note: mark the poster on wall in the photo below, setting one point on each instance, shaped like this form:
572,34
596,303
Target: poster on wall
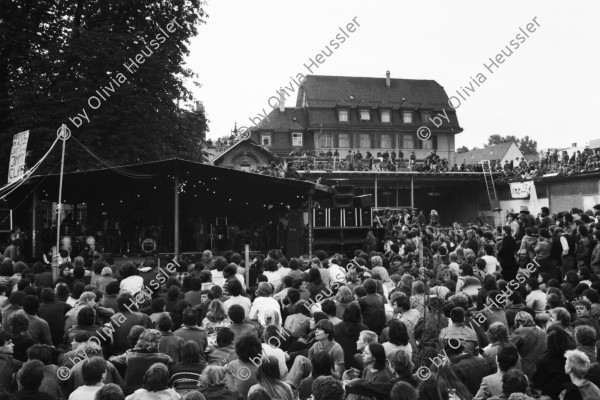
520,190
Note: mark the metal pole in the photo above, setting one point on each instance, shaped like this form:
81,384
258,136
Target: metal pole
34,222
176,216
376,192
63,134
247,263
310,225
396,192
412,192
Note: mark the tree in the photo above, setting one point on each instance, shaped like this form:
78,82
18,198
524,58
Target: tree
61,59
498,139
462,149
528,146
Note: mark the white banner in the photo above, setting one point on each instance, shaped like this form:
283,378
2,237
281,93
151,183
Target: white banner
16,166
521,190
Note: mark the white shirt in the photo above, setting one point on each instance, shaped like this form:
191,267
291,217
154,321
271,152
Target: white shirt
85,392
491,264
336,274
269,350
536,300
217,277
260,306
240,300
132,284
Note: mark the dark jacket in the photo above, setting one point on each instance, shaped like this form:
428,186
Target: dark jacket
51,313
550,376
373,311
346,334
379,390
470,370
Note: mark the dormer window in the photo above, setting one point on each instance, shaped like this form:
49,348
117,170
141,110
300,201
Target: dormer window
386,116
365,115
343,115
425,116
407,117
265,139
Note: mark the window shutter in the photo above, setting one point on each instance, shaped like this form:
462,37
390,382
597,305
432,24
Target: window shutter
435,142
416,142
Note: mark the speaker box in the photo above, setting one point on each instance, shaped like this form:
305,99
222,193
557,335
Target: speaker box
319,217
350,217
343,191
366,217
335,217
343,202
363,201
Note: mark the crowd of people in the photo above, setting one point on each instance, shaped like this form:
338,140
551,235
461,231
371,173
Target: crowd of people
433,313
306,160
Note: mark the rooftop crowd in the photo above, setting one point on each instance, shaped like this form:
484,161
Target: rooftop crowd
513,170
431,313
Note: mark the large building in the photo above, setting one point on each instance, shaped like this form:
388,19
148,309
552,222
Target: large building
366,114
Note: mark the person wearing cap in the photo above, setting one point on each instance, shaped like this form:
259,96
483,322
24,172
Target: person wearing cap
526,217
545,219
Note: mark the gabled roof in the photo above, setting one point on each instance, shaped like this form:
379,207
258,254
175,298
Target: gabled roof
327,91
248,141
282,121
496,152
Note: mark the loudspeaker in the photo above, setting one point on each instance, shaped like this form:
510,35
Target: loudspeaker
319,217
350,217
335,217
343,191
342,202
363,201
366,217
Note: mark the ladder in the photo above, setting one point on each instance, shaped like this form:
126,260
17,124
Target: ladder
488,176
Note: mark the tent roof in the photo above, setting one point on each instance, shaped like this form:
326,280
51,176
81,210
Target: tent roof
214,183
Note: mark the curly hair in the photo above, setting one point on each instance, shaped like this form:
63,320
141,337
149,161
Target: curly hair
148,341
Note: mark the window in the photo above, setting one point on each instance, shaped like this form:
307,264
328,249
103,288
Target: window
265,139
296,139
386,141
326,140
365,141
427,144
407,142
365,115
343,140
407,117
385,116
343,115
425,115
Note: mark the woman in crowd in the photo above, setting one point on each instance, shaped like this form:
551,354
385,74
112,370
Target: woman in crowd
347,333
216,318
214,386
269,379
144,355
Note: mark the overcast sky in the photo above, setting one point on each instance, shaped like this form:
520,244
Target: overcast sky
545,89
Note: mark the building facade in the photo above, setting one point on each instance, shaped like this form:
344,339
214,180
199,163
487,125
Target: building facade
362,114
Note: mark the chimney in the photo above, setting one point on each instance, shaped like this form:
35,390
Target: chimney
388,82
281,100
573,144
199,106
